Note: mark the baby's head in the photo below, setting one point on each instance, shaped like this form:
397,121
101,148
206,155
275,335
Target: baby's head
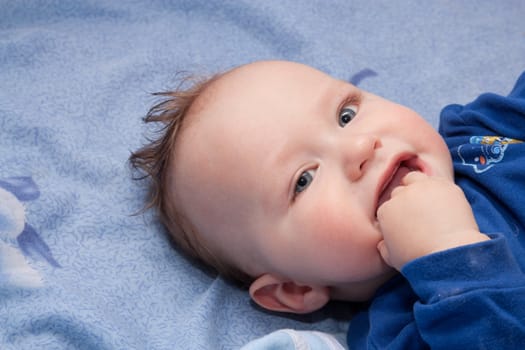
273,172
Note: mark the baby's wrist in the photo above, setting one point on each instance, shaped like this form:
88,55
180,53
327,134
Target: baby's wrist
459,239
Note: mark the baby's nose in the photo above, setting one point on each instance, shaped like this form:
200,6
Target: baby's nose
358,150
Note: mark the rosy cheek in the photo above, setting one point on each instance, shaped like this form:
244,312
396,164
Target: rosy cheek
330,223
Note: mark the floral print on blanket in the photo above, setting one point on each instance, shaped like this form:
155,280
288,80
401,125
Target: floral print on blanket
18,239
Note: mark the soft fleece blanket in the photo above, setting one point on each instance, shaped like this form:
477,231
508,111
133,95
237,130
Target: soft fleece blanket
77,269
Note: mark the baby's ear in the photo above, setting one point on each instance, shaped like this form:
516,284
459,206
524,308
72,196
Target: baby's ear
277,294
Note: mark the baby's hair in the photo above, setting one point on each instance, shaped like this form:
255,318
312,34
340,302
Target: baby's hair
152,162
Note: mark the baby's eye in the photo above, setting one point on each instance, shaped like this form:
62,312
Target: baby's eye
304,181
346,115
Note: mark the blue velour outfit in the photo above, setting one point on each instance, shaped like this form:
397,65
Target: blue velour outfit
470,297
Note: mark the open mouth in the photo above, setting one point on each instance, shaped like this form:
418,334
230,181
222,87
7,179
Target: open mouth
394,177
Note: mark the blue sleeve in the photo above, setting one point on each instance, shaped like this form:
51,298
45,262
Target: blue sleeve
470,297
489,114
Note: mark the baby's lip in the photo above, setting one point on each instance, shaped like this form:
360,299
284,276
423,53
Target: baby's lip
393,175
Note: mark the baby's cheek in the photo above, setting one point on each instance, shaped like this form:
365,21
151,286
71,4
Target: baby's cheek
330,225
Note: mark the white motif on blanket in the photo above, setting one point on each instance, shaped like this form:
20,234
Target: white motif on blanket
18,239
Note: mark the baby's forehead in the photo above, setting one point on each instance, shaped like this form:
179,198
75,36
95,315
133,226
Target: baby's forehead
248,99
254,104
259,82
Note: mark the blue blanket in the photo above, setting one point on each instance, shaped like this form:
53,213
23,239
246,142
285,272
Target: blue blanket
77,269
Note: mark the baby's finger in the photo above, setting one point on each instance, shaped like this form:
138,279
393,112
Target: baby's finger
383,251
413,176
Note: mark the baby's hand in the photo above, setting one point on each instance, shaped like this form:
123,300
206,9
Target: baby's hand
424,215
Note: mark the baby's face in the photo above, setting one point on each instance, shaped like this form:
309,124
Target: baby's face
282,169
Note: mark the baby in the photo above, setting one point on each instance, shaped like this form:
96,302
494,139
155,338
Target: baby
307,189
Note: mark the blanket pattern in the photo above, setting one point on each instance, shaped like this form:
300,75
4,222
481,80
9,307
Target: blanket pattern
18,239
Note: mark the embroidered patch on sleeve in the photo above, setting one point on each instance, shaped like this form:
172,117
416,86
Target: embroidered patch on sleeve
483,152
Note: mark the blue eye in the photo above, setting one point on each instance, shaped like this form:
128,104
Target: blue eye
347,114
304,181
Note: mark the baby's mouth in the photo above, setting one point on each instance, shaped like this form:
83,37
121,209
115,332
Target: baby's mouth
397,175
